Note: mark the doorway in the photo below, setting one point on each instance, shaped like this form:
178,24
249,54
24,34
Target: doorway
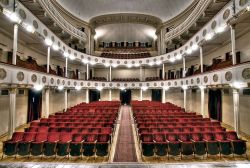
125,97
156,95
34,105
94,95
215,104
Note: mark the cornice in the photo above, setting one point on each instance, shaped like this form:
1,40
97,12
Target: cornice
125,18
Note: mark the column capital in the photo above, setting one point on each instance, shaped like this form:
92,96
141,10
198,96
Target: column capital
12,90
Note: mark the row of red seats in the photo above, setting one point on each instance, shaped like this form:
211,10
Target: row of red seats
126,79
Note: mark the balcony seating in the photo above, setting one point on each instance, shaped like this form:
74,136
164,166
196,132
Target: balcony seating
98,79
126,56
125,79
152,78
166,130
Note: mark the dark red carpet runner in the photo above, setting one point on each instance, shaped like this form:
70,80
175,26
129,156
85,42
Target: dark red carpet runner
125,146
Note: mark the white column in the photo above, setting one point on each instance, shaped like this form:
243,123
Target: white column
87,72
236,111
65,99
185,99
12,112
48,59
233,43
87,95
202,101
163,71
110,94
140,73
201,59
15,39
46,103
163,96
184,67
66,68
110,73
141,94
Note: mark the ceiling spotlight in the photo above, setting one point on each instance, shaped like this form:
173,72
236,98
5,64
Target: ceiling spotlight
29,28
248,8
178,57
172,59
151,64
85,61
185,87
189,51
195,47
129,65
92,62
202,87
144,88
158,62
238,85
72,57
137,64
99,88
107,64
61,87
122,88
78,88
12,16
166,88
38,87
65,54
209,36
114,65
220,29
55,47
48,42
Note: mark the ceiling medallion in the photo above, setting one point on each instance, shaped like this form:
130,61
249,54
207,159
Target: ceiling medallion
213,25
243,2
89,83
186,82
68,83
22,14
125,84
198,80
148,84
75,83
246,73
140,84
20,76
63,82
118,84
181,82
103,84
215,78
205,79
52,81
226,14
169,83
35,24
44,79
228,76
133,84
81,83
175,83
155,84
192,81
110,84
96,84
3,73
58,81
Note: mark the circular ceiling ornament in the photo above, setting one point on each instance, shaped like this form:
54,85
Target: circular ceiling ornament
81,83
148,84
22,14
75,83
228,76
192,81
35,24
68,83
175,83
110,84
140,84
181,82
89,84
155,84
133,84
58,81
226,14
103,61
162,84
198,80
205,79
169,83
59,44
63,82
197,38
243,2
44,79
5,2
3,74
96,84
213,25
147,61
45,32
96,60
215,78
246,73
140,61
103,84
125,84
20,76
204,33
52,80
125,62
52,38
186,82
118,84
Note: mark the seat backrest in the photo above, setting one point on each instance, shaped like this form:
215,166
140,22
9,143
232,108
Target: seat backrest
147,138
220,136
172,137
208,136
29,136
53,137
159,138
90,137
196,136
184,137
17,136
103,138
232,135
43,129
77,138
41,137
65,137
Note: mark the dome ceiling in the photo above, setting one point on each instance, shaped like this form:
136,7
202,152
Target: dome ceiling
87,9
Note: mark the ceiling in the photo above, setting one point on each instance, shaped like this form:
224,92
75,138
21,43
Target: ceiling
87,9
125,32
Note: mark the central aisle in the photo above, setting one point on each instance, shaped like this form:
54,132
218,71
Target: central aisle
125,146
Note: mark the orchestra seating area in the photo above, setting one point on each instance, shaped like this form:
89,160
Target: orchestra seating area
125,79
153,78
83,130
167,130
